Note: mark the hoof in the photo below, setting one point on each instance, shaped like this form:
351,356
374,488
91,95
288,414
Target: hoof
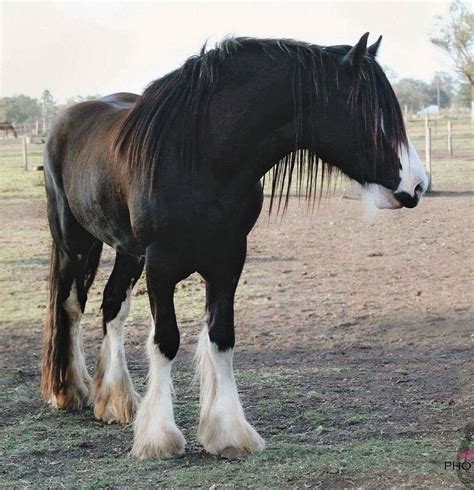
163,443
230,441
74,397
116,405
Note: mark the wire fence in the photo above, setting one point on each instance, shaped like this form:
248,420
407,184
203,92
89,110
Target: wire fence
433,137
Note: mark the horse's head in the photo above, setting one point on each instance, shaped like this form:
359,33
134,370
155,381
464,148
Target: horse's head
365,134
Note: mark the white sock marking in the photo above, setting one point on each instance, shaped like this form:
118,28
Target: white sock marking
115,349
156,434
222,423
78,362
116,400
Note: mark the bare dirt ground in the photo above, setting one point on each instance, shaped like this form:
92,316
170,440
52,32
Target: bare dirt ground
354,353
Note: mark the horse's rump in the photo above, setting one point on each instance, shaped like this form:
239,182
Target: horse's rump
81,172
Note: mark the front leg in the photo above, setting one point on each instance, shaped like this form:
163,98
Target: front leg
155,431
223,428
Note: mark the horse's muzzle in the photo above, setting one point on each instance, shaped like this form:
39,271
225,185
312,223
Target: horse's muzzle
406,200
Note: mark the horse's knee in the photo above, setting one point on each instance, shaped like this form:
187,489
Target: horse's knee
116,305
167,341
222,336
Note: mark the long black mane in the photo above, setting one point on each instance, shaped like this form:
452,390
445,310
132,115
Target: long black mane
183,97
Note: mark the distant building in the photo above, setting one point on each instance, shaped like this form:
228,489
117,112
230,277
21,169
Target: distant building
431,109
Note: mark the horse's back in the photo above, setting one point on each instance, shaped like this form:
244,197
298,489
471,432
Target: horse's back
121,99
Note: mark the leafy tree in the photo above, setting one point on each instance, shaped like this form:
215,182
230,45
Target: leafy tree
19,109
412,93
455,36
81,98
462,98
442,84
49,109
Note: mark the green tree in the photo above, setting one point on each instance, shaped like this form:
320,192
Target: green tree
19,109
81,98
49,109
455,36
412,93
462,98
441,89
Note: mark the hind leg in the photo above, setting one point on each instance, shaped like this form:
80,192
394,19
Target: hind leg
65,380
115,397
75,255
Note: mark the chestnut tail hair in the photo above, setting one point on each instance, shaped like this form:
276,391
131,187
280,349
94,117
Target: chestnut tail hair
57,333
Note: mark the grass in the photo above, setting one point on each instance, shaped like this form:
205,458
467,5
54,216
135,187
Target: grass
17,185
70,456
275,468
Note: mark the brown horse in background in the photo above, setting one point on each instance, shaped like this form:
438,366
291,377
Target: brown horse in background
8,126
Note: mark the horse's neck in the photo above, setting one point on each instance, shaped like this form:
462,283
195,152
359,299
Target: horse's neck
253,123
254,127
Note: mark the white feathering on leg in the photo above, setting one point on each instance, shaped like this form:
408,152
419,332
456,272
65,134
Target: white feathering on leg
78,378
155,431
115,397
223,429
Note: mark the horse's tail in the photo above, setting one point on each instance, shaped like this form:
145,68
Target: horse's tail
57,335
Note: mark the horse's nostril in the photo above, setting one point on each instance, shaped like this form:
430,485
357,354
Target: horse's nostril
419,188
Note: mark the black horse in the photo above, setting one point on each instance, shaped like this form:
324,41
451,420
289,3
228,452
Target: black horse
171,180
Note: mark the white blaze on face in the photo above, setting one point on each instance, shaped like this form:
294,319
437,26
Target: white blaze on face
413,180
413,177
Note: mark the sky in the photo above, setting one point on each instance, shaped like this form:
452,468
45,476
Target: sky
74,48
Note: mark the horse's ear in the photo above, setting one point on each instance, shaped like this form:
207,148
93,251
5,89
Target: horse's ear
373,48
354,57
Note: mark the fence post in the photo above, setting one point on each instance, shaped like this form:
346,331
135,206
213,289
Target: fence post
427,120
37,128
450,139
405,112
25,154
428,158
